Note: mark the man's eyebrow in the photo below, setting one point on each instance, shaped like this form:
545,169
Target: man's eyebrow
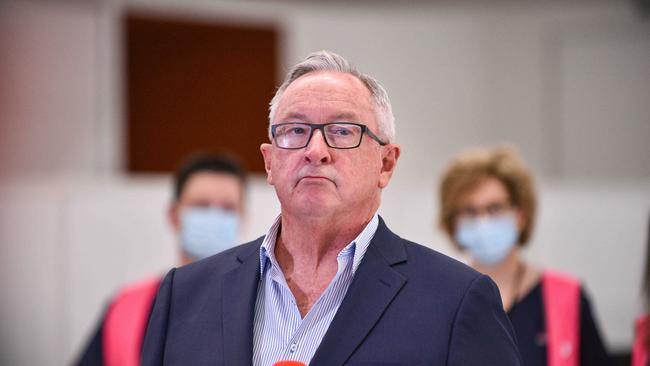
295,116
346,116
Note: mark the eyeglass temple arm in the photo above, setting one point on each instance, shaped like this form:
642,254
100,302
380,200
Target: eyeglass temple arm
375,137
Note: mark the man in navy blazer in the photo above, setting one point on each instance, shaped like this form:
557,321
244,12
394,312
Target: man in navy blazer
329,284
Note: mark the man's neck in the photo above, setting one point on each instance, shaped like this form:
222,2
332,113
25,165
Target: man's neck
307,251
315,239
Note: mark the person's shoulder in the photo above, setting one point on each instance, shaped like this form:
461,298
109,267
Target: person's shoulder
432,262
432,276
419,261
143,286
566,280
553,275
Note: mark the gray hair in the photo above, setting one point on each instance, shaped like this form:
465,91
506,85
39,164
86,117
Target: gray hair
330,61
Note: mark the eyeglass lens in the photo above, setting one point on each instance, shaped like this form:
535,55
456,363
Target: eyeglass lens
297,135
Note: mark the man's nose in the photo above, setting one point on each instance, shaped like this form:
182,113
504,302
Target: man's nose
317,151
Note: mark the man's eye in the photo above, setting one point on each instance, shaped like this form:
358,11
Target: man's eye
297,131
340,131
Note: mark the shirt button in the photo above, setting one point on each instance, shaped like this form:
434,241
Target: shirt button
293,347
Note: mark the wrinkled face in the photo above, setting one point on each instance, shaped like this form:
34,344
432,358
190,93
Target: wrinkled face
208,189
317,179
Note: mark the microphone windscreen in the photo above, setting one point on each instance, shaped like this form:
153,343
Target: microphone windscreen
289,363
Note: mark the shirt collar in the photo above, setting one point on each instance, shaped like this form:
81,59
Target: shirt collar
358,246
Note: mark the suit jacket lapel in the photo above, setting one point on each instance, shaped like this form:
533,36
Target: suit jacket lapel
374,286
238,302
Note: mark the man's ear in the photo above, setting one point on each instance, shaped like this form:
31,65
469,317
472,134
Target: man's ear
266,154
388,163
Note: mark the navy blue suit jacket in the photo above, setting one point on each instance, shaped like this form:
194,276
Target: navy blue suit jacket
407,305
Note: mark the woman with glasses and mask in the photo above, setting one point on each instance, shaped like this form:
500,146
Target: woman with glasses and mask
488,204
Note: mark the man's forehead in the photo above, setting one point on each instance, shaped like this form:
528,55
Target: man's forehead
345,95
327,80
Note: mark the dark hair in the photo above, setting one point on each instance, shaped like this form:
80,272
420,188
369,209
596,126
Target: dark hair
217,163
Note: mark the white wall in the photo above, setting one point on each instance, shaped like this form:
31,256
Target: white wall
568,84
48,98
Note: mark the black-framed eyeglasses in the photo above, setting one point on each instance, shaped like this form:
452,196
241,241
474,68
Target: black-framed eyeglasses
337,135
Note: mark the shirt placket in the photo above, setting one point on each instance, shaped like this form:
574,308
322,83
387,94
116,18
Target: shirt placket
291,320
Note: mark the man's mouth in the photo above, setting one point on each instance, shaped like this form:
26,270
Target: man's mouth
316,179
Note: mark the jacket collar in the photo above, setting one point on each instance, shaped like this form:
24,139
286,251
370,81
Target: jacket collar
374,286
238,304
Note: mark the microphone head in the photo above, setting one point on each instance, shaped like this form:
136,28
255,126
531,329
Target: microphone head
289,363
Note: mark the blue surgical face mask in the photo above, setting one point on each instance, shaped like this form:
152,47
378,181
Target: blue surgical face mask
488,240
206,231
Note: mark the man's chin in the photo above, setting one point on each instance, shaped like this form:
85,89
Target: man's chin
314,205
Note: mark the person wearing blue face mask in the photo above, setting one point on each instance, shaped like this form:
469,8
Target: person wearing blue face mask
205,216
206,213
487,208
205,231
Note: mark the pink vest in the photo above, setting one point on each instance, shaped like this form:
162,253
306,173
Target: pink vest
639,352
125,322
561,296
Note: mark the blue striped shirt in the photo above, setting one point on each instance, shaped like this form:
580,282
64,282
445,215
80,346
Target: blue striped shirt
280,333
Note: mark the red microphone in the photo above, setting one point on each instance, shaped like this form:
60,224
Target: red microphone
289,363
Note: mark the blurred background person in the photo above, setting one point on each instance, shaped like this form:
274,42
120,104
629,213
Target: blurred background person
641,347
488,205
205,215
